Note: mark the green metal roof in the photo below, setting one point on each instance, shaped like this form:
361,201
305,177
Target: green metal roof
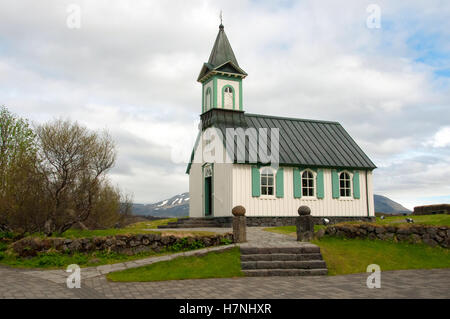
307,143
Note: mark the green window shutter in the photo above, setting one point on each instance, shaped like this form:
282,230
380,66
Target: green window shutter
297,183
356,185
280,182
256,180
320,192
335,183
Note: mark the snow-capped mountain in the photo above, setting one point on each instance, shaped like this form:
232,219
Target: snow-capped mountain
176,206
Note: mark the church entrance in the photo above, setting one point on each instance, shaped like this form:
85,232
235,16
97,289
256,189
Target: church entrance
208,196
208,189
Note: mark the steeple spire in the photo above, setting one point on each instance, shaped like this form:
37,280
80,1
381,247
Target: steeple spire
222,51
221,76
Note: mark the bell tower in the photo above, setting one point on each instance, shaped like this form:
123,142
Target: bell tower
221,77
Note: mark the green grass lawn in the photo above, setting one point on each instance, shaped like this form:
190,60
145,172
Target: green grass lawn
136,228
212,265
436,220
348,256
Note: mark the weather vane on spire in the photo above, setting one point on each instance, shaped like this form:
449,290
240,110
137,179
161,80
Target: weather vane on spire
220,16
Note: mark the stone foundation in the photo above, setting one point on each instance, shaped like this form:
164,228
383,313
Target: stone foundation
289,221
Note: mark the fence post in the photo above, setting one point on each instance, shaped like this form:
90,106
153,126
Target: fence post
239,224
305,224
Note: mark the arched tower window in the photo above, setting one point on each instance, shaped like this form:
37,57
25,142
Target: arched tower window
208,99
228,97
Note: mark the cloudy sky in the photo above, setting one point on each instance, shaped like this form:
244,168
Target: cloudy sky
131,68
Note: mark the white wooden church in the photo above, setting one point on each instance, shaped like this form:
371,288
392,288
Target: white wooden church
320,165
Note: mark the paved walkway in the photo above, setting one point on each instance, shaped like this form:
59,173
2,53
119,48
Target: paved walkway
15,283
433,283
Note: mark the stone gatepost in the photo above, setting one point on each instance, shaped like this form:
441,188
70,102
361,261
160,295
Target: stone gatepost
305,224
239,225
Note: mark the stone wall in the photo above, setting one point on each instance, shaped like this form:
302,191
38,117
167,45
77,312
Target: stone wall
126,244
432,209
253,221
430,235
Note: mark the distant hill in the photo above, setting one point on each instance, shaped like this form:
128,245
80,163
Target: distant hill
178,206
388,206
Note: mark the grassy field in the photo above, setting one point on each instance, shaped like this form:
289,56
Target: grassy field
137,228
348,256
213,265
436,220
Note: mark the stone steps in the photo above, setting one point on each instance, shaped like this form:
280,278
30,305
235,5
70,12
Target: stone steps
304,249
301,260
284,264
281,257
285,272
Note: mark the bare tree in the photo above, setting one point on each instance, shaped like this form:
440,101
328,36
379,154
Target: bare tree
74,162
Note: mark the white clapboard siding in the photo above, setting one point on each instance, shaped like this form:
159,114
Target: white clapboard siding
195,191
222,191
288,205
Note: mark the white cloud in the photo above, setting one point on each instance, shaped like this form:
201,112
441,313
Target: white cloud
441,138
132,67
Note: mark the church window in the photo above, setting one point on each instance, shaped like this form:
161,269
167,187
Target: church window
267,182
228,97
208,99
307,183
344,184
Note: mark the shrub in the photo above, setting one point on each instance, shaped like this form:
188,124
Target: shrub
197,244
3,247
183,244
226,241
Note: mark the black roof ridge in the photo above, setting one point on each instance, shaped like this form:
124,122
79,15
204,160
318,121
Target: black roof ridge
291,118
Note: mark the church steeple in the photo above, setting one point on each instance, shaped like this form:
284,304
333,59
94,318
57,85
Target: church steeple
222,51
221,77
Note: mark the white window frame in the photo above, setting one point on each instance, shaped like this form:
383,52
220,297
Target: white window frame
350,197
273,172
314,178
